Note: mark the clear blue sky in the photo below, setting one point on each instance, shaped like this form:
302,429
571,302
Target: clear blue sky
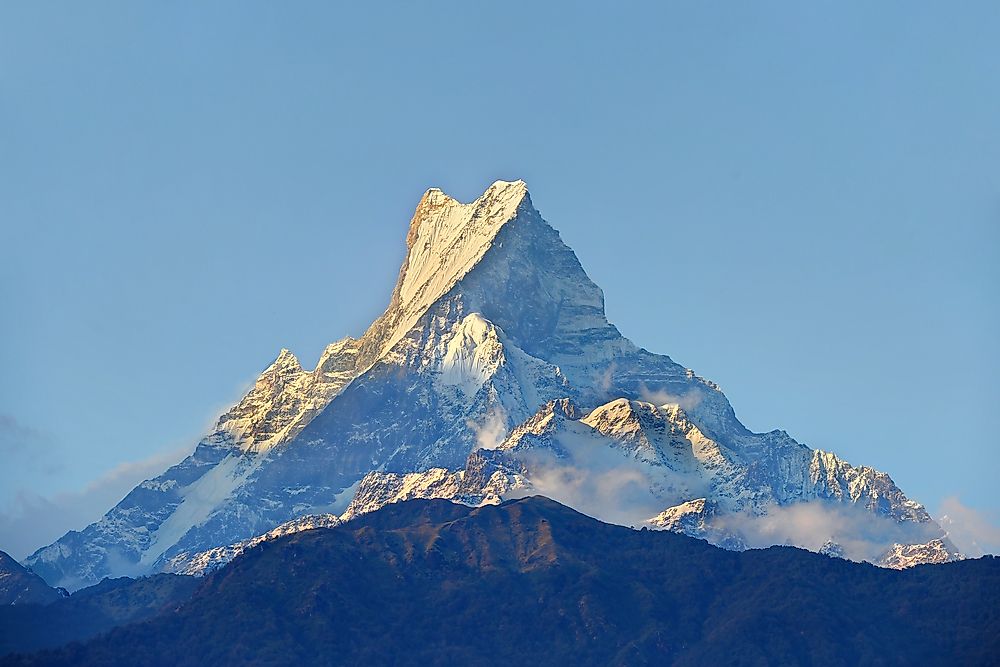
800,201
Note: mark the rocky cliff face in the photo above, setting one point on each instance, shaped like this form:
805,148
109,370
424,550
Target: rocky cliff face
493,371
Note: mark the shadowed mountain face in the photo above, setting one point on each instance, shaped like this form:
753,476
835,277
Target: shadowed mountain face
19,585
493,373
89,612
532,582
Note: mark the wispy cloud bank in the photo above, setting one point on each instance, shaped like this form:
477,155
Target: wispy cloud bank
14,434
32,520
25,447
605,482
491,431
974,532
687,401
862,534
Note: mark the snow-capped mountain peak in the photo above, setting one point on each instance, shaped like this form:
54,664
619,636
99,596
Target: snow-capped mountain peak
447,238
285,364
493,372
635,422
902,556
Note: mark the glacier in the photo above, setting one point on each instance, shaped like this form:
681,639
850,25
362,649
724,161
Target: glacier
493,373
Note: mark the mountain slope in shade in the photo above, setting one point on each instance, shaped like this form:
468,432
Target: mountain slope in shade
90,612
491,320
19,585
531,582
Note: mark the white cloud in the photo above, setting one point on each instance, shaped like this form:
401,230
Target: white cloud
862,534
974,532
607,378
492,431
605,482
687,401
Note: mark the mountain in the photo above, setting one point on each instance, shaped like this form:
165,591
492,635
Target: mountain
19,585
625,460
532,582
492,373
200,563
90,611
902,556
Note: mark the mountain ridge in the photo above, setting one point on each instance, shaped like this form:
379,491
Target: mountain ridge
492,318
19,585
531,581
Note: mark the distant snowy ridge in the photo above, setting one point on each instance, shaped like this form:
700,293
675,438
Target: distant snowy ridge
625,458
492,373
204,562
902,556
